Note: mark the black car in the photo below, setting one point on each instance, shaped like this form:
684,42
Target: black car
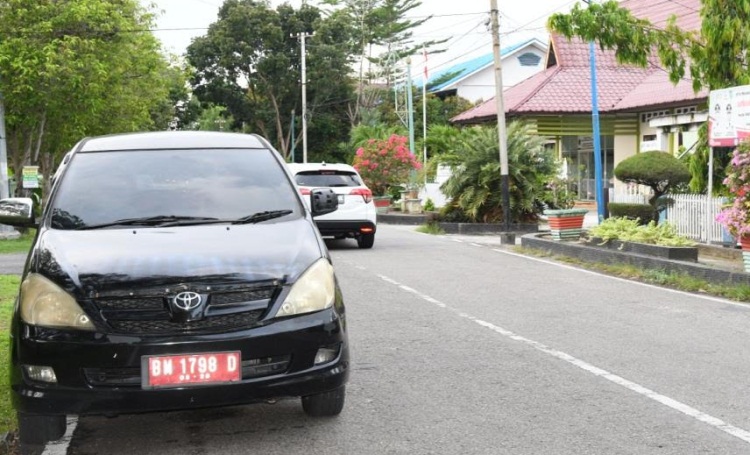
169,271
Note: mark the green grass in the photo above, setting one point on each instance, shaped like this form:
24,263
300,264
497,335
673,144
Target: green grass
431,228
19,245
8,290
673,280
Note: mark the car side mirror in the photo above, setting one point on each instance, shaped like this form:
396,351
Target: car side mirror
322,201
17,211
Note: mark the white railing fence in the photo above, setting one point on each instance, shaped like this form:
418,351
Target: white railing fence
694,215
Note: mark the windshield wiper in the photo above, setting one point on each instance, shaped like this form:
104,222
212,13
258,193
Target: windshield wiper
175,220
160,220
261,216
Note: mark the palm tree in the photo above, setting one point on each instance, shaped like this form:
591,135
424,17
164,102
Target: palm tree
475,186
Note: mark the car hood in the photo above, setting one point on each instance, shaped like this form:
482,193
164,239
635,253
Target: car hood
96,260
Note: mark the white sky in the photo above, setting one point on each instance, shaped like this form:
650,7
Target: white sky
462,20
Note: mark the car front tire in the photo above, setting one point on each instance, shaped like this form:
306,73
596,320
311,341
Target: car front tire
34,429
366,240
326,404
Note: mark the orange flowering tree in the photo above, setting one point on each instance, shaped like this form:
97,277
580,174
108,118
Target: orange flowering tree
385,163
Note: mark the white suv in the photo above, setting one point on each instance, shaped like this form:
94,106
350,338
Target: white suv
356,216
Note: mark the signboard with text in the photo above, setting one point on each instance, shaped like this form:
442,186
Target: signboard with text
729,116
31,176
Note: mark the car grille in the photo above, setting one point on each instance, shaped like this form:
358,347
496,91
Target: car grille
210,323
131,377
229,308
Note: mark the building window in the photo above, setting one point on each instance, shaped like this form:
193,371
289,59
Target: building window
685,110
529,59
656,114
578,152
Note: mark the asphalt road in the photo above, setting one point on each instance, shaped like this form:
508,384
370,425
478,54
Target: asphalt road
463,347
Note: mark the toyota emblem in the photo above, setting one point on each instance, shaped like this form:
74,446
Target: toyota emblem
187,300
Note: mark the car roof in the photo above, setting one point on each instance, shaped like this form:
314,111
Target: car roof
165,140
301,167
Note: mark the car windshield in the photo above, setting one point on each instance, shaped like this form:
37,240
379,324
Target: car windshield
171,187
327,178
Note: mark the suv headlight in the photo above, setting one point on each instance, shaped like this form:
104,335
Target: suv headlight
313,291
45,304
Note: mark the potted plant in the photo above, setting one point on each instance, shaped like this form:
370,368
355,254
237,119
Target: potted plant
565,221
384,164
736,217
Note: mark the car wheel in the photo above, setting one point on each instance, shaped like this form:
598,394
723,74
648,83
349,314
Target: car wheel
366,240
39,429
326,404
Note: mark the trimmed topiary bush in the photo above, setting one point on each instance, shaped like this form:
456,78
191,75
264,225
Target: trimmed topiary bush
642,212
660,171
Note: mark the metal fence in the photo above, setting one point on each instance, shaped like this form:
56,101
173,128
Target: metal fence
694,215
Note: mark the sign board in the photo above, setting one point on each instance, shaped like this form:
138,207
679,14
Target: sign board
729,116
31,176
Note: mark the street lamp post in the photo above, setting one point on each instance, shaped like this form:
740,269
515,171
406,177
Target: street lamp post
596,136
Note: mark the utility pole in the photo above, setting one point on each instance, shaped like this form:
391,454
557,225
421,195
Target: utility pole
500,105
4,193
291,136
410,106
302,37
5,231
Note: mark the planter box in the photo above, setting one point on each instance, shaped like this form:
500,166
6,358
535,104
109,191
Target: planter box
566,224
674,253
382,203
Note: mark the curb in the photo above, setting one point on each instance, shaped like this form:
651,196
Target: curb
457,228
602,255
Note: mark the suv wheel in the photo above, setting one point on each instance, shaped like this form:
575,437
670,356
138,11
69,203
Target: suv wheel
366,240
39,429
326,404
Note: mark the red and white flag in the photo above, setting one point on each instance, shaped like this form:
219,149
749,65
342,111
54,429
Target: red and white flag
424,53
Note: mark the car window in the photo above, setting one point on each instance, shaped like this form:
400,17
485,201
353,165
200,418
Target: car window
327,178
225,184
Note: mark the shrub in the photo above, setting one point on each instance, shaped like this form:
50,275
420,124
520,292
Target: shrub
644,213
628,230
429,206
660,171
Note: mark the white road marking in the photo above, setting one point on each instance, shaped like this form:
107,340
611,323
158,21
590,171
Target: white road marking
60,447
475,244
685,409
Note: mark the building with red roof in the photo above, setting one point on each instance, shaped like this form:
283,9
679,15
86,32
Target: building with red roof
640,108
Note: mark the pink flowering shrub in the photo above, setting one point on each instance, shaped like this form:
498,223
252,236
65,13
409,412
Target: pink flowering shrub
736,218
384,163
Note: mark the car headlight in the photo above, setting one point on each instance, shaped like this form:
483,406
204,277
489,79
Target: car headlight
315,290
45,304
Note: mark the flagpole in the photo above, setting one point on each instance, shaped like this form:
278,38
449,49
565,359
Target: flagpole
424,115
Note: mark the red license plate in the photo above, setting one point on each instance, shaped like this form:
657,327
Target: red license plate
190,369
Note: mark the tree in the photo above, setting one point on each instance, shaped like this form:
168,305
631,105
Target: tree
475,186
249,62
659,171
72,69
383,24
